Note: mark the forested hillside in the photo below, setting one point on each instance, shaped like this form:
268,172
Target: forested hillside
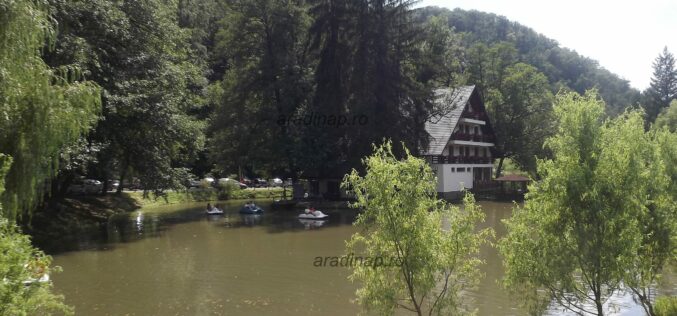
297,88
563,67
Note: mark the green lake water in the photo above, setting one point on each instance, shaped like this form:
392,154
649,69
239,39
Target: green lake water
178,261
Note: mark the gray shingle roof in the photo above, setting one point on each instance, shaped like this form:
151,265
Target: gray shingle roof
440,127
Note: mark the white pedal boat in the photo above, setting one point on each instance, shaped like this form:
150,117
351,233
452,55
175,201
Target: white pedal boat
214,211
313,215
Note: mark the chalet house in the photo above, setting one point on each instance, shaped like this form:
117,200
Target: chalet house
461,142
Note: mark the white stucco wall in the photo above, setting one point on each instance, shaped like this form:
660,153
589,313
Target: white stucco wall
448,181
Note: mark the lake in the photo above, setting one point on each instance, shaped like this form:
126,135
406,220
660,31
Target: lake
178,261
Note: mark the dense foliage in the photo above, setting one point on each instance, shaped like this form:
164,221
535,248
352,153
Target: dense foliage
42,109
563,67
603,214
668,117
429,264
264,45
663,88
299,88
21,267
518,100
140,56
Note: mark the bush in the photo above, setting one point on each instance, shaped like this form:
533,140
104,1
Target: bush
21,265
226,190
666,306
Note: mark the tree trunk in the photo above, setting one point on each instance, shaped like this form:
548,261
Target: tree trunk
122,179
597,292
104,187
600,307
499,169
123,174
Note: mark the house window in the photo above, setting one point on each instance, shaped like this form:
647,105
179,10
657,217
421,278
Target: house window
477,130
453,169
467,151
461,169
477,152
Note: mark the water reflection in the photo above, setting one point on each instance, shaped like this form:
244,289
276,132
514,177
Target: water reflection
251,219
312,223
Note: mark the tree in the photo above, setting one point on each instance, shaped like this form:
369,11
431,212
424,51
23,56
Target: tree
43,109
518,100
425,263
663,88
267,82
583,226
521,110
441,54
487,66
21,266
668,117
658,221
369,66
140,56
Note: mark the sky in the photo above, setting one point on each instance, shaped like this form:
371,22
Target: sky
624,36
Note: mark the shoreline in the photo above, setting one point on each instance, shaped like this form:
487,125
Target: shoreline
81,214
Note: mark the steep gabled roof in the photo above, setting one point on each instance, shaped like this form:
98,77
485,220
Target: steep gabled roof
440,127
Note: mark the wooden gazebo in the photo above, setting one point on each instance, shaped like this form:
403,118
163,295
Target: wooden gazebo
517,184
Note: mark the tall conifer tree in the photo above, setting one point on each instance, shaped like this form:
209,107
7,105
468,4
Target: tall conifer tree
663,88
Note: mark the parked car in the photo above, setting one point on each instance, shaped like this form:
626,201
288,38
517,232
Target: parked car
193,183
260,183
276,182
226,181
113,185
132,184
93,186
207,182
86,186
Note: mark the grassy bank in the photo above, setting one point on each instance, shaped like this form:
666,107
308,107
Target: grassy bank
205,195
75,216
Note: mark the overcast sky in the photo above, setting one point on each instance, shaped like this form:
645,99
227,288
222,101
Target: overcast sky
623,36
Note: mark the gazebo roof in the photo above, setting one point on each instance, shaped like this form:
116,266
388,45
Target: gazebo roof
513,178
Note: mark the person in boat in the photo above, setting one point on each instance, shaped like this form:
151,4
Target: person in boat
311,210
250,205
209,207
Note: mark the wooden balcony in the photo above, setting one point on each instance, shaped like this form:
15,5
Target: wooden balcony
480,116
459,160
472,137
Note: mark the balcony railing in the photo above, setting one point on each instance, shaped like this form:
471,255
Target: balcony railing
473,137
459,159
475,116
483,185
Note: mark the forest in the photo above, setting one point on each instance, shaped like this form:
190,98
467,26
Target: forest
190,88
177,90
